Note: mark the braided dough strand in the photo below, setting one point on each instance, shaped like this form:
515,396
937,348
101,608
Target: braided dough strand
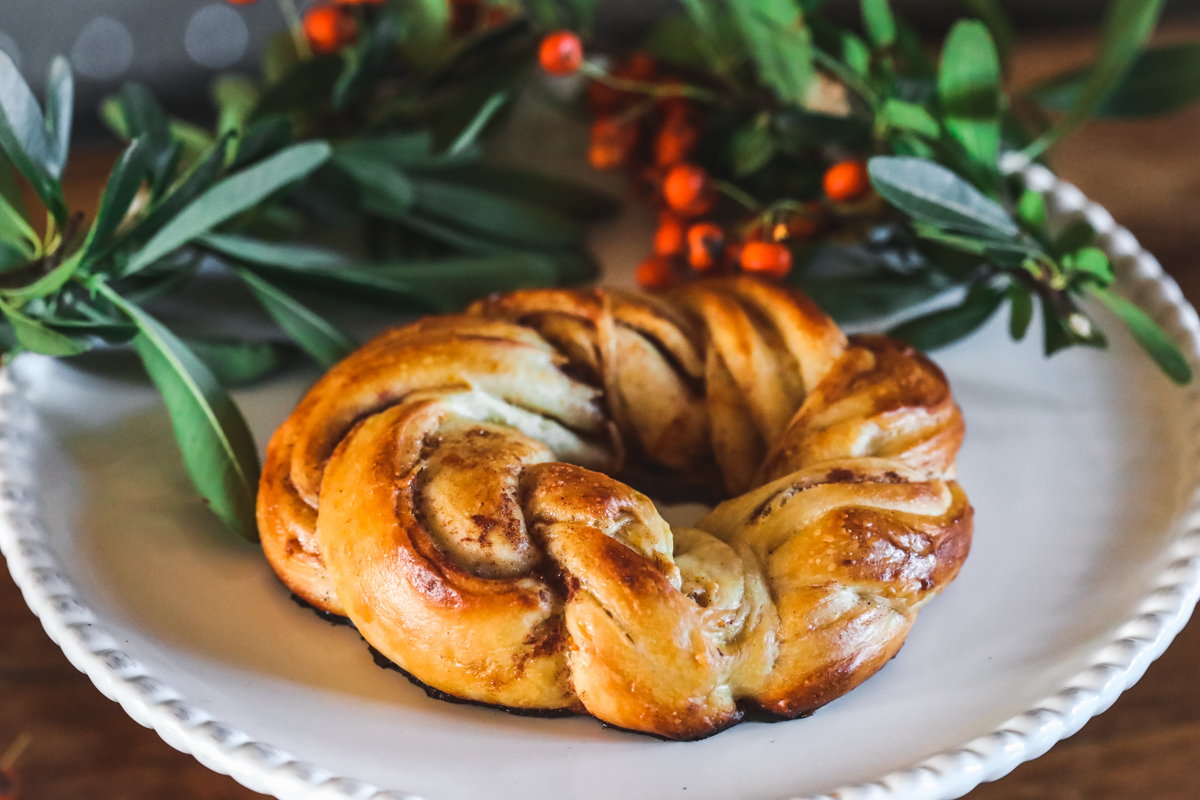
449,488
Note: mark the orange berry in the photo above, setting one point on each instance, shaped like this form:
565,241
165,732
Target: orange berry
561,53
686,189
847,180
611,143
767,258
329,28
656,272
637,67
668,239
676,139
706,243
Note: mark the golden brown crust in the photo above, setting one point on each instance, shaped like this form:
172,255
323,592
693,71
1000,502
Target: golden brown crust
444,488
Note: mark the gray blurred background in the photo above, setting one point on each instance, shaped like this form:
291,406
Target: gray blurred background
178,45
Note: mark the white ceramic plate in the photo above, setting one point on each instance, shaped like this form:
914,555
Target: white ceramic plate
1082,470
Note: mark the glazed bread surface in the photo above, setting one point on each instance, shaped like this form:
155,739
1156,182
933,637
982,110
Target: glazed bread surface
455,488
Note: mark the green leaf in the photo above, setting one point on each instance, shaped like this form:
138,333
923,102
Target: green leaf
780,44
188,189
33,335
230,197
1031,209
910,117
992,13
1021,307
856,54
15,229
256,251
216,443
932,193
238,363
25,140
266,136
235,98
856,300
442,285
879,22
386,190
574,199
470,135
60,103
940,328
303,87
321,340
427,22
1092,263
1077,234
141,112
1149,335
753,146
119,191
403,150
494,215
1006,252
49,283
1127,27
969,91
1161,80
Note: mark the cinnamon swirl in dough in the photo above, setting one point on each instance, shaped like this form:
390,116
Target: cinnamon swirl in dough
450,488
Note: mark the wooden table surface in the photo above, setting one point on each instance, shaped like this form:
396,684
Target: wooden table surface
1146,746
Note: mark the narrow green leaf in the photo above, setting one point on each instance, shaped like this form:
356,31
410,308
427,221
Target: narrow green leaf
386,190
992,13
1161,80
1127,28
910,117
230,197
1149,335
574,199
36,337
969,91
856,54
112,114
1021,308
753,146
940,328
141,111
320,339
470,135
9,189
15,229
264,137
494,215
213,436
256,251
932,193
235,98
442,285
879,22
1092,263
49,283
189,188
123,183
60,103
25,140
780,44
238,363
1031,209
403,150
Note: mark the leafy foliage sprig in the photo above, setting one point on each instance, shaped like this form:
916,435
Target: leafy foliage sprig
353,175
794,119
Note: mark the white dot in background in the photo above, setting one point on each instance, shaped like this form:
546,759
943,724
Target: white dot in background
103,51
9,46
216,36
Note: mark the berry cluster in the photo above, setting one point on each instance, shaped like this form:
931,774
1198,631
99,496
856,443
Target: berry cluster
652,124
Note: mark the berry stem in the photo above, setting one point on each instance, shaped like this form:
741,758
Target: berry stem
599,75
296,27
729,190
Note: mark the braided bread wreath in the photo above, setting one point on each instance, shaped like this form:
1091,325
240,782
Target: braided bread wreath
447,487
